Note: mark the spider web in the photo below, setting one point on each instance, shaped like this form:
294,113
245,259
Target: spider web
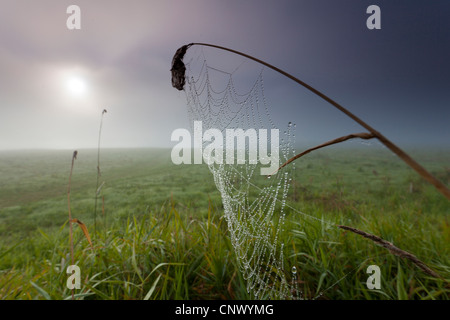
254,205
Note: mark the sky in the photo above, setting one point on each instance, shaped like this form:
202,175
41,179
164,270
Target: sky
55,82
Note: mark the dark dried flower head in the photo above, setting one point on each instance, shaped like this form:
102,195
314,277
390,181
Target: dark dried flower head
178,68
104,111
75,153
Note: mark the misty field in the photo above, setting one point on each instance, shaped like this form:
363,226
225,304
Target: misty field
160,233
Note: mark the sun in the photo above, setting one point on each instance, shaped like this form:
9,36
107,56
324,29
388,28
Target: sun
76,86
75,89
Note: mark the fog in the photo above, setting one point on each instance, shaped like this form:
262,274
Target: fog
395,78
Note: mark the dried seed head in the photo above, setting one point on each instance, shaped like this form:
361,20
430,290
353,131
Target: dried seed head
178,68
75,153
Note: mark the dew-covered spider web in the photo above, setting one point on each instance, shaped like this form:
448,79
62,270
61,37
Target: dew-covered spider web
226,100
254,204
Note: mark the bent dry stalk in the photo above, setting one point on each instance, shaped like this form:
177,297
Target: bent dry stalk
394,250
363,135
178,80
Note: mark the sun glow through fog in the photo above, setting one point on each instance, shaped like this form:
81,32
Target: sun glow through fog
76,86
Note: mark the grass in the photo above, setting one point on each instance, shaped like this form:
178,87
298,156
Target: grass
166,237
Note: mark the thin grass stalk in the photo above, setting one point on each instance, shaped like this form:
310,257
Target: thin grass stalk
98,172
178,70
74,156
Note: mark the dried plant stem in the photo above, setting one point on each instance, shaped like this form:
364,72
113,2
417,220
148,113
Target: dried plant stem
70,214
98,172
178,68
363,135
71,220
394,250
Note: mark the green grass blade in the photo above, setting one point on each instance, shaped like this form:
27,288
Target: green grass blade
41,291
150,292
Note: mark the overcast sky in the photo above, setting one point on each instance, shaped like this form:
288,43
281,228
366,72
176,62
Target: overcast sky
397,79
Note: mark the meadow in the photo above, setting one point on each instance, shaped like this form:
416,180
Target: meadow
159,232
